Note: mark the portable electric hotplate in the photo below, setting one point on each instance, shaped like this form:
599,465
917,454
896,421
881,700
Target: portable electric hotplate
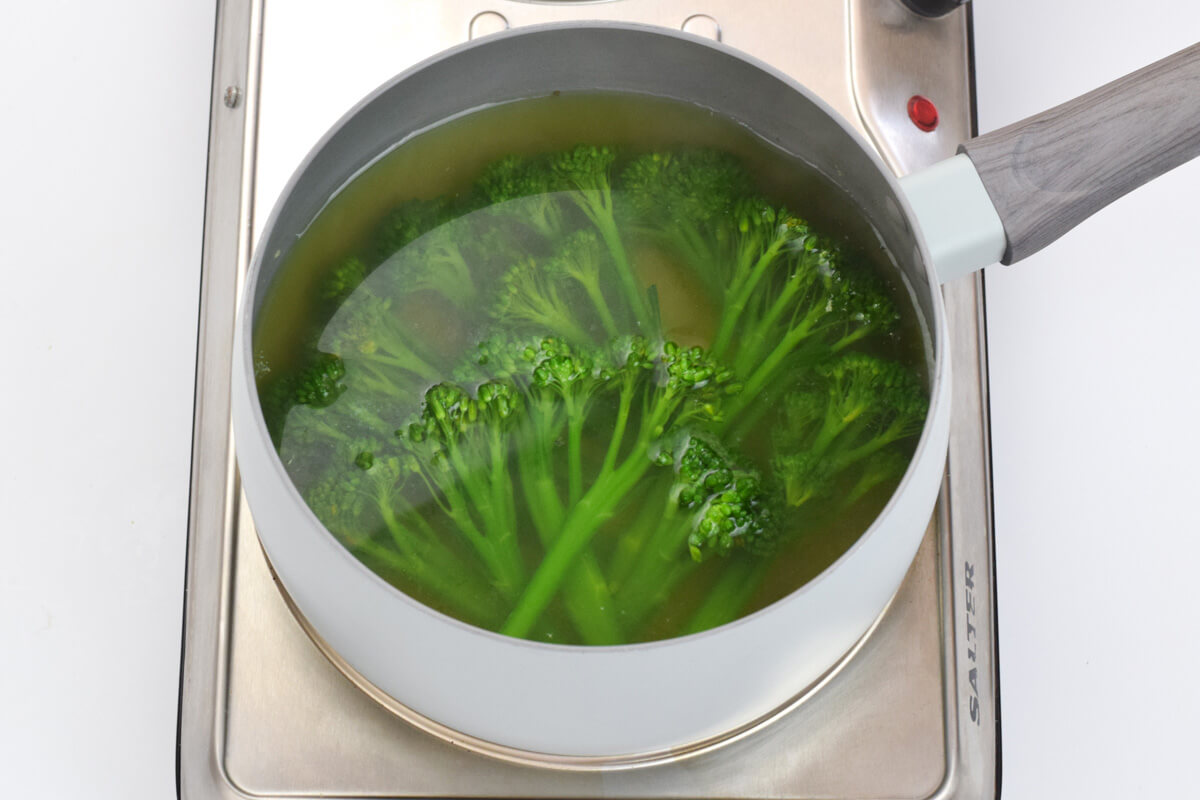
913,712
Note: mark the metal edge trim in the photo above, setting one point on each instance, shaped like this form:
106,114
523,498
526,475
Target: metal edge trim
952,790
200,727
991,524
196,402
985,379
960,775
951,779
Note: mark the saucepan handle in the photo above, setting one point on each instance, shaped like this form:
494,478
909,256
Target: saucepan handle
1046,174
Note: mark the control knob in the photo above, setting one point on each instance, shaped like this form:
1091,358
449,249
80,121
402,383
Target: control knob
933,8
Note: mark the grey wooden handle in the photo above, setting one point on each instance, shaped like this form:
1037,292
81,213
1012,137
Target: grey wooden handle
1048,173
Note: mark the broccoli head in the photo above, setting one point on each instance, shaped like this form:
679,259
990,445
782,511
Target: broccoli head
409,222
320,383
730,506
838,421
531,297
344,279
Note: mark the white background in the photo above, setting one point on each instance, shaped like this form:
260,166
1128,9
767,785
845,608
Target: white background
1095,401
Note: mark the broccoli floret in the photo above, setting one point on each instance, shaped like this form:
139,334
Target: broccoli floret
731,506
716,505
674,388
697,188
824,308
552,295
784,293
700,205
408,222
585,172
315,383
362,503
458,446
684,202
582,259
860,306
438,261
344,279
365,330
808,475
763,234
513,177
530,298
503,355
572,380
524,188
839,420
320,384
844,431
559,384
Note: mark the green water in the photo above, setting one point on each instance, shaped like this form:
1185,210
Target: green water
442,321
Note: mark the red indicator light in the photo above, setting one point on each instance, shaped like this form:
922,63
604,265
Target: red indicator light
922,112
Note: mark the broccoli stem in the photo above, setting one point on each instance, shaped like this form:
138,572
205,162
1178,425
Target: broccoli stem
315,420
472,603
597,206
594,293
586,595
431,564
624,406
394,351
632,542
589,603
874,445
575,419
740,294
691,244
662,563
507,580
372,375
852,337
502,499
593,509
770,365
565,327
451,276
752,343
491,498
535,456
546,217
724,602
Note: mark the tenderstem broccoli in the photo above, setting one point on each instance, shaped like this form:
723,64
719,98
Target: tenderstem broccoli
785,294
362,501
672,387
848,410
575,467
714,506
580,179
842,432
458,447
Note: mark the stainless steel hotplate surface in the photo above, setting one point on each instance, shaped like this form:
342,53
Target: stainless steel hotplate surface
914,713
